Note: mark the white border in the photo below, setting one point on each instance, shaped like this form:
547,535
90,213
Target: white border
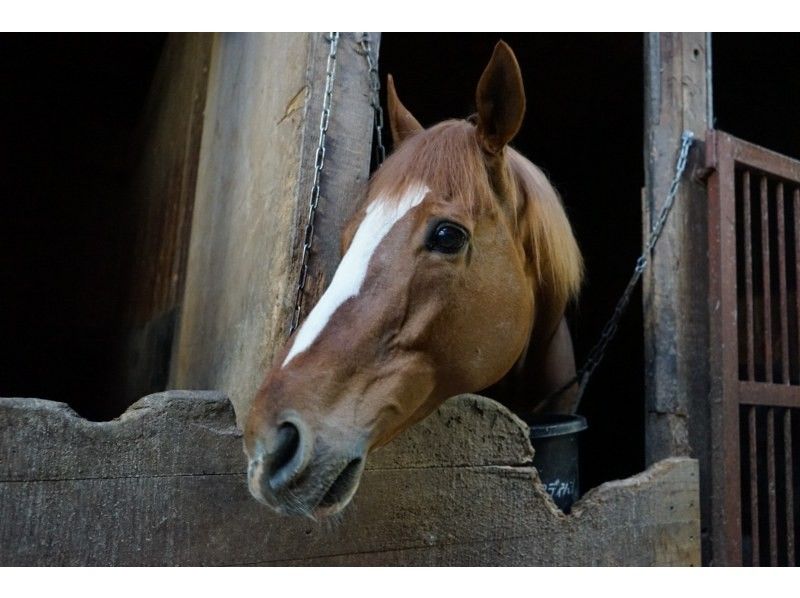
406,15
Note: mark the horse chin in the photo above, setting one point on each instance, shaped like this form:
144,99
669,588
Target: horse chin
315,496
341,490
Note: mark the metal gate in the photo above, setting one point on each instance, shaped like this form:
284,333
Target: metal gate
754,268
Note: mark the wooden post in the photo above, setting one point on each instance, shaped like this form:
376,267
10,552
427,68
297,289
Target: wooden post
256,171
163,195
676,283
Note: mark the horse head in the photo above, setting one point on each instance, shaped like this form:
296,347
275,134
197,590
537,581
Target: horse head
457,265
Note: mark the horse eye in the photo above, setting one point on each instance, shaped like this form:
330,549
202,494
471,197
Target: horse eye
447,237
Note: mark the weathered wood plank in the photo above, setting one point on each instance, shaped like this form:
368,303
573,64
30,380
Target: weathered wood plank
614,527
259,143
174,433
165,484
675,285
466,430
347,155
169,147
189,432
676,328
211,520
168,152
238,273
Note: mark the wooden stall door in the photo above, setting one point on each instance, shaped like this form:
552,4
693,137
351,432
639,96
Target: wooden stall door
754,262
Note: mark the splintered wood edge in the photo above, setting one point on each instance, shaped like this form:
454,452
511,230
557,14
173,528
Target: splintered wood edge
467,430
671,467
205,403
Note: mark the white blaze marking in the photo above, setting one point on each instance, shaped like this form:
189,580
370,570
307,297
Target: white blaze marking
381,216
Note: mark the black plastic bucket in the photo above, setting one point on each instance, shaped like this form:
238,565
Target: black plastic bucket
555,440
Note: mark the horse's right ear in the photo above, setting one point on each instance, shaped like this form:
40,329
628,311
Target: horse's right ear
501,100
401,121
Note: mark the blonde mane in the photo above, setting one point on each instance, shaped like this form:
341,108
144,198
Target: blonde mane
546,232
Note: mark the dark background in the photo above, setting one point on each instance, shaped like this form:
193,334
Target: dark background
69,110
584,128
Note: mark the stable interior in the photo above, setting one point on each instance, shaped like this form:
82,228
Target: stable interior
70,111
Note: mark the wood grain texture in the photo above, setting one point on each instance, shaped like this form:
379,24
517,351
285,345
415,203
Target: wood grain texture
347,155
169,134
675,285
238,272
674,300
165,485
259,141
165,175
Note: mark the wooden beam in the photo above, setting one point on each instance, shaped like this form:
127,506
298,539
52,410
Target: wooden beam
676,283
168,149
256,172
165,485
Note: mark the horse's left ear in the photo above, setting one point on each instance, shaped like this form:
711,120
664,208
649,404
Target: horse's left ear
401,122
500,98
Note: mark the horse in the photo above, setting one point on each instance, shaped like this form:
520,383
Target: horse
457,268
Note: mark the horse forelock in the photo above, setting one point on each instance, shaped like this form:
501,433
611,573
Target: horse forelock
447,159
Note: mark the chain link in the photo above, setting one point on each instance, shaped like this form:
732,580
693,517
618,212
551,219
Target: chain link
319,163
375,98
319,158
598,351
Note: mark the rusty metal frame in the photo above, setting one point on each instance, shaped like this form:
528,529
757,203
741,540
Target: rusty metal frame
724,153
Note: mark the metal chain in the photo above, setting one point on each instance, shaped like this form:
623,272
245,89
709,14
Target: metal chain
375,98
380,152
598,351
319,162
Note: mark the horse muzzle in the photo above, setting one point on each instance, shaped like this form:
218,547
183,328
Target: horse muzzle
296,472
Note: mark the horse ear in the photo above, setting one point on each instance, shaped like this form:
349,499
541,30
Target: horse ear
401,121
500,98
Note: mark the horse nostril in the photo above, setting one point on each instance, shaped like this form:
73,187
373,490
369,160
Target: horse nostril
287,459
286,446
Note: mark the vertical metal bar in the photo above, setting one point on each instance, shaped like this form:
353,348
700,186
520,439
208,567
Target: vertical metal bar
726,471
766,279
782,283
751,417
771,491
789,481
796,211
748,269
